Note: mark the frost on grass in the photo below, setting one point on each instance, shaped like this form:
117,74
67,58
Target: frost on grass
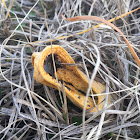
30,110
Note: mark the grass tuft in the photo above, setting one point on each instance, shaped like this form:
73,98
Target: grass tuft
29,110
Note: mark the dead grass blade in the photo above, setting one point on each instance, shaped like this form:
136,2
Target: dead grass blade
94,18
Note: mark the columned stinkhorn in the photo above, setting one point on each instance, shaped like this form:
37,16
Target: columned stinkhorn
74,80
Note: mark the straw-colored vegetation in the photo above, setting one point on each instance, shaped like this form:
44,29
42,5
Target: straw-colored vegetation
30,110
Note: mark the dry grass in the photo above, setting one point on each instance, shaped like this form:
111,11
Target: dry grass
29,110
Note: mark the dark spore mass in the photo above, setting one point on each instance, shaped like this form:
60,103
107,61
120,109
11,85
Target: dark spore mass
67,88
81,91
48,65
